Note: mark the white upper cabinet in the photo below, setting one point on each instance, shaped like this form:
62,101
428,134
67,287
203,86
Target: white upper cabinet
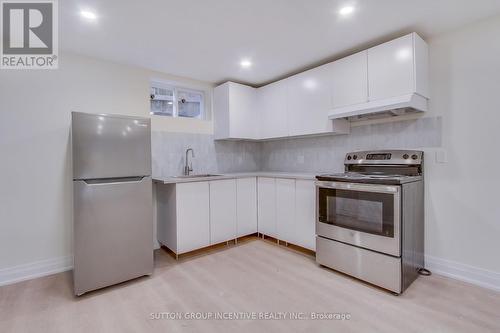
391,78
235,111
309,101
398,67
350,80
272,105
295,106
388,79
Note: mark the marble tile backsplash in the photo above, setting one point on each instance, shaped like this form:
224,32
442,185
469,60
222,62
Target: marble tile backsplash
310,154
168,154
326,153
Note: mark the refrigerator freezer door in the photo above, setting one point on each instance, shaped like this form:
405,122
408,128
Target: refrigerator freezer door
113,230
108,146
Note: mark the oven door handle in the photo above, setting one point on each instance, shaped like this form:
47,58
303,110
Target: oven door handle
359,187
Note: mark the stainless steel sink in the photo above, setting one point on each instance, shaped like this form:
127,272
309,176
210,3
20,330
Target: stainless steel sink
206,175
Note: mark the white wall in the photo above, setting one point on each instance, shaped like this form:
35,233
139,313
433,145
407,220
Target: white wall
36,186
463,210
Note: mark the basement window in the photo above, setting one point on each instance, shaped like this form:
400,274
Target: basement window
173,101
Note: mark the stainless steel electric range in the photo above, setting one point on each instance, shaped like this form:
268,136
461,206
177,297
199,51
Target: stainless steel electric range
370,219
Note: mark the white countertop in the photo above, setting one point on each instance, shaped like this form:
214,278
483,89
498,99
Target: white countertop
272,174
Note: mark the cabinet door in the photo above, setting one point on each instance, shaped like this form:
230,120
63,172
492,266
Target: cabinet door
305,214
272,104
221,111
350,80
222,210
235,111
266,189
113,228
285,209
243,115
391,69
309,101
193,226
246,206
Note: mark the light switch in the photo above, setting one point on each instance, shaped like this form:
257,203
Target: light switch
300,159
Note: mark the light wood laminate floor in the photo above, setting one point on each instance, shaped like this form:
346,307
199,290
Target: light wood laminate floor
253,276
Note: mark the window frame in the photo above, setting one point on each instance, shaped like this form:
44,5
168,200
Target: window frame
174,87
159,85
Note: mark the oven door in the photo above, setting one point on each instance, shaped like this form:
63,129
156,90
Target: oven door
365,215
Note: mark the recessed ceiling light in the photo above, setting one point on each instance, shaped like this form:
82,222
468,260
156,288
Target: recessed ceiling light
245,63
346,10
88,15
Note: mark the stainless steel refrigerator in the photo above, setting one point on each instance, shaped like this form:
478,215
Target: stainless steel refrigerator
112,195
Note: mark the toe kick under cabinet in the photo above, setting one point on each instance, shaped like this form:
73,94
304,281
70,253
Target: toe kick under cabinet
194,215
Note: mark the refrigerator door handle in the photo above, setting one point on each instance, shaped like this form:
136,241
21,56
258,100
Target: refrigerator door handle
107,181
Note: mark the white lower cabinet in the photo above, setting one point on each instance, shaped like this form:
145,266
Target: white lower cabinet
266,201
192,216
305,214
285,209
197,214
246,206
222,210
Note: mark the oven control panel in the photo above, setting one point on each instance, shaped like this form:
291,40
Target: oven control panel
385,157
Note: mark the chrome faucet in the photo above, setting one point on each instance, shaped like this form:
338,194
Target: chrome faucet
188,167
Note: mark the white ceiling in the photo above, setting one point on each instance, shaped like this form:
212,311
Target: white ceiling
206,39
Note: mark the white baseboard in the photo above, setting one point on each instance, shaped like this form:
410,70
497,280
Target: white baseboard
36,269
455,270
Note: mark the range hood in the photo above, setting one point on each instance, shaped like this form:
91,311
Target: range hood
389,107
